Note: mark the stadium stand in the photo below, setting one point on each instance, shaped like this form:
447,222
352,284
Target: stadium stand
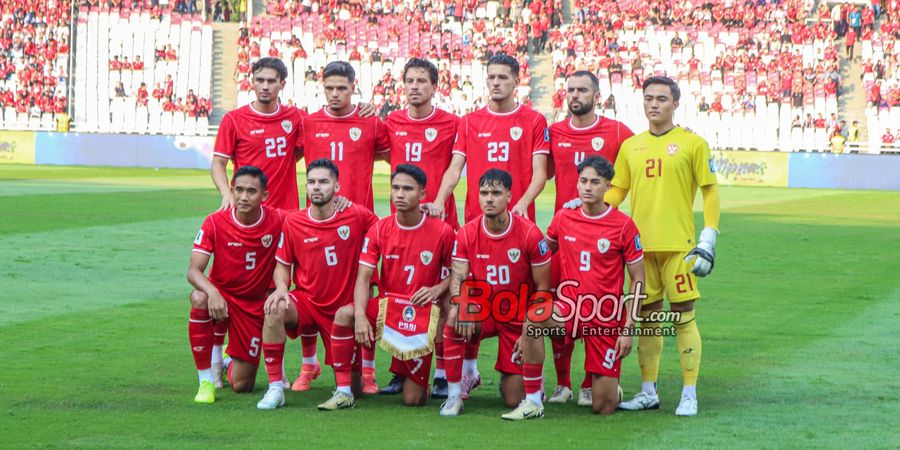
138,70
34,50
880,59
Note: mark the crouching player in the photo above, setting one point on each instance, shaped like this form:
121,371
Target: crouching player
414,251
243,239
597,243
323,245
507,258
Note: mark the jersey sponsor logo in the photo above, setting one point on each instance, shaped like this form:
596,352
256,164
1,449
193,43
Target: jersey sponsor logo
391,256
311,239
479,256
603,245
267,240
712,166
544,247
482,135
199,239
672,149
515,133
323,135
430,134
546,135
597,143
355,134
343,232
514,255
569,238
399,133
564,145
426,257
637,243
235,244
259,131
287,126
409,313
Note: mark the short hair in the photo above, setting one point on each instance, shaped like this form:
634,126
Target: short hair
252,171
323,163
496,176
676,92
420,63
340,69
414,171
505,60
601,165
595,83
271,63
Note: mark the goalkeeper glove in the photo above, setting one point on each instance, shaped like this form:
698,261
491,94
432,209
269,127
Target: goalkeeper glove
573,204
704,254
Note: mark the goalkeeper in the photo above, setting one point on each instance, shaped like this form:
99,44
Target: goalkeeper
662,168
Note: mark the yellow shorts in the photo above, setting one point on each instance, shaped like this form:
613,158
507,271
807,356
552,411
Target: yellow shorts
667,273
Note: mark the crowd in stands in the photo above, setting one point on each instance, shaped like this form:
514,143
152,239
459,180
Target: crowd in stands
879,57
34,49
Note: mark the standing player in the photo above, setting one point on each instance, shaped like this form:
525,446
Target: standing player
599,243
584,134
243,239
423,135
339,133
414,251
323,245
502,135
664,166
507,254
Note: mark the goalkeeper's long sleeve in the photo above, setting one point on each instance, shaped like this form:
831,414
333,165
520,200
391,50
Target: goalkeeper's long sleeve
711,205
615,196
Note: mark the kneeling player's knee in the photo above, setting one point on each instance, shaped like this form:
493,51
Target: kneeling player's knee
242,386
604,407
344,315
451,317
198,299
274,319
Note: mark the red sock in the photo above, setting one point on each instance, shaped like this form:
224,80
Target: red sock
562,361
200,335
220,330
274,356
533,374
454,348
308,341
472,349
368,354
439,355
588,382
343,346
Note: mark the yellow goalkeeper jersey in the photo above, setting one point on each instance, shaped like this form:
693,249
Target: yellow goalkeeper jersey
662,174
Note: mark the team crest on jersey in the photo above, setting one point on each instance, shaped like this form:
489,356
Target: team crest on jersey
287,126
597,143
344,232
430,134
514,255
355,134
267,241
515,133
409,313
672,149
426,257
603,245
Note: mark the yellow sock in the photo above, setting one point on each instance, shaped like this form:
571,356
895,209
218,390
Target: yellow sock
689,347
649,350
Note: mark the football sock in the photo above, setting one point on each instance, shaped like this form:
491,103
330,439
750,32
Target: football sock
454,390
649,350
533,375
343,346
587,382
439,360
454,348
220,328
440,373
200,336
308,341
648,387
470,367
368,357
274,357
690,391
562,361
345,390
689,347
205,375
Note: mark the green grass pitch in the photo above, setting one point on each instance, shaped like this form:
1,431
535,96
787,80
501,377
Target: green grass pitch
799,326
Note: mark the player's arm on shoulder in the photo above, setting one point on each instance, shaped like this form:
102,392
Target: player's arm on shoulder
552,237
448,184
219,175
621,182
538,180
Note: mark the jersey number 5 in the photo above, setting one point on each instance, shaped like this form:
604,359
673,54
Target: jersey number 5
275,147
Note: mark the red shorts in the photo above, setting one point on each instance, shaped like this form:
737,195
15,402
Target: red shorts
600,356
309,318
245,324
416,369
507,335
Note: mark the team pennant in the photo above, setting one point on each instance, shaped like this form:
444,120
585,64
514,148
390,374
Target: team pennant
405,330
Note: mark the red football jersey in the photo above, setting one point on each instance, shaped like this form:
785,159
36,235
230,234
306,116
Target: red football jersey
505,141
411,257
243,256
351,142
595,251
426,143
324,254
569,146
503,260
267,141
